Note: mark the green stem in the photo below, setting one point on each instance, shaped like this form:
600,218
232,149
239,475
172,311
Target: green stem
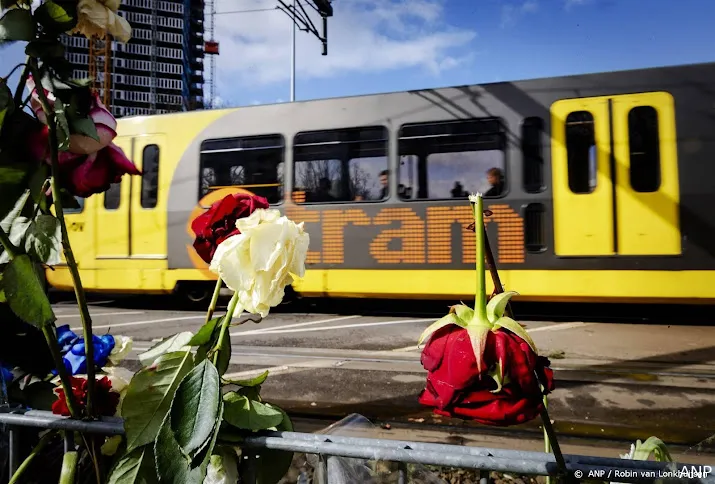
214,300
225,324
67,249
26,463
547,444
551,435
480,301
69,468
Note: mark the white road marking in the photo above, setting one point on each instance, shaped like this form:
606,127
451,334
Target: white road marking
324,328
139,323
558,326
100,314
273,370
296,325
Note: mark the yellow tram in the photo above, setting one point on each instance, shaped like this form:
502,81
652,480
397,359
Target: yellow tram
601,188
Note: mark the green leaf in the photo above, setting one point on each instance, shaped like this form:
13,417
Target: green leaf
54,18
204,334
171,464
251,382
194,408
43,239
497,305
25,294
149,397
17,24
167,345
63,127
271,465
248,414
135,467
653,445
45,48
224,356
463,312
13,177
450,318
86,127
508,323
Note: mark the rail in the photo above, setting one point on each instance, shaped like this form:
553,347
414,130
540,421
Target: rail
330,446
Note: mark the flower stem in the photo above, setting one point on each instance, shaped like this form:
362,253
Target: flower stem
214,300
225,324
69,468
23,80
480,301
26,463
547,443
551,435
67,249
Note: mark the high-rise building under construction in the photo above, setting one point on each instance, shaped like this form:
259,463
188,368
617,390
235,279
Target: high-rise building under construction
160,70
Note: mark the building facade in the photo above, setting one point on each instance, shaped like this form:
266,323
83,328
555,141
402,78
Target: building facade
160,70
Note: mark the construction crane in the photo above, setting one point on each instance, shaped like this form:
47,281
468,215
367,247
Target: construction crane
100,57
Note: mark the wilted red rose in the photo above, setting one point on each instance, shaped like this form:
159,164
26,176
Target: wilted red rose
456,388
84,175
219,222
105,402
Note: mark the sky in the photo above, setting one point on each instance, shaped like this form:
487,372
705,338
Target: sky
391,45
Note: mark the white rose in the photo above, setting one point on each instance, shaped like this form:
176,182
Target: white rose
265,257
122,347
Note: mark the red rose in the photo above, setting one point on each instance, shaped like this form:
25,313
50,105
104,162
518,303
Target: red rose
84,175
456,388
219,222
105,403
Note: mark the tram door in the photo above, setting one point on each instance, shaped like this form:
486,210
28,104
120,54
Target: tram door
615,176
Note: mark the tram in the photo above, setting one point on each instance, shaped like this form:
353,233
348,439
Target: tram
602,188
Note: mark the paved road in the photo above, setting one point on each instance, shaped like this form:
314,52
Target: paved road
614,380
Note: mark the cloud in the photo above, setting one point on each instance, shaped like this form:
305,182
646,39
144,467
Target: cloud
568,4
364,37
511,13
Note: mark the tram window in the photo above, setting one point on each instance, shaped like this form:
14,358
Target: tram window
534,230
341,165
254,164
644,148
78,209
533,158
150,176
112,197
442,160
581,152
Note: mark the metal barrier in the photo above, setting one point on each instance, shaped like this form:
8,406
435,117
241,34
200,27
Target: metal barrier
330,446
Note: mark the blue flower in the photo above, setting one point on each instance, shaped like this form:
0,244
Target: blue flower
73,350
7,374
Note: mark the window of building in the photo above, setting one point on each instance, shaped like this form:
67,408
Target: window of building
644,148
150,176
532,130
252,163
442,160
581,152
341,165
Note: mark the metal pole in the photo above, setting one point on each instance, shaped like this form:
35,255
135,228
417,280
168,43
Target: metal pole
292,58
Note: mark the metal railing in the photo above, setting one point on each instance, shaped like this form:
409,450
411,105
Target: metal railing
330,446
